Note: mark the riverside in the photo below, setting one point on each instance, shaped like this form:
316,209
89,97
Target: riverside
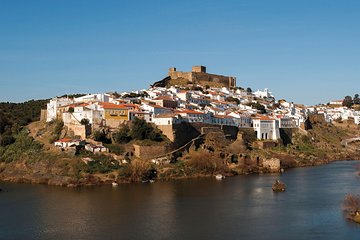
242,207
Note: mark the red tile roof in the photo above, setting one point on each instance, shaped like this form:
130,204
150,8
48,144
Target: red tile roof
188,111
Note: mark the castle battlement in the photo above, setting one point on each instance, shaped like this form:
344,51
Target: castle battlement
198,75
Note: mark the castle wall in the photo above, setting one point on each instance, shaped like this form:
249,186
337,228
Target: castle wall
185,75
198,75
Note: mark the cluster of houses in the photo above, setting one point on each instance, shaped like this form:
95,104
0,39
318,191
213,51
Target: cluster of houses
174,105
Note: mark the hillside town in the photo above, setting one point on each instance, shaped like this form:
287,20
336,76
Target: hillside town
208,103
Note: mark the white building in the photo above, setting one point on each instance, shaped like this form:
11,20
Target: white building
183,95
53,105
336,102
286,122
155,109
167,119
266,128
100,97
224,120
357,119
193,116
241,120
266,94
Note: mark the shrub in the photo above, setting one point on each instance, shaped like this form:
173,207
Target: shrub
141,130
122,135
101,136
137,170
6,139
204,162
85,121
102,164
23,147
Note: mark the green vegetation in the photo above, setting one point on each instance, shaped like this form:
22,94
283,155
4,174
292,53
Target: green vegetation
14,116
75,95
101,136
22,114
58,126
258,106
232,99
101,164
349,101
122,135
141,130
137,170
136,95
23,147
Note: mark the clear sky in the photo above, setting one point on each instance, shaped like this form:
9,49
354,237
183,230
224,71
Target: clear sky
305,51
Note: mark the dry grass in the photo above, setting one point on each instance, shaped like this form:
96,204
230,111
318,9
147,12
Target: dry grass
135,171
204,162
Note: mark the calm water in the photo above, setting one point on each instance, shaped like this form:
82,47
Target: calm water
242,207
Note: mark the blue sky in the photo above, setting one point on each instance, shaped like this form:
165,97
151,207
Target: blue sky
304,51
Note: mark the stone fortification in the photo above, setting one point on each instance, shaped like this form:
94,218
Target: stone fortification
198,75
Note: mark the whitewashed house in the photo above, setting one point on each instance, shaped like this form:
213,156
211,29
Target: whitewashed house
67,142
266,94
167,119
224,120
192,116
286,122
100,97
357,119
53,106
155,109
266,128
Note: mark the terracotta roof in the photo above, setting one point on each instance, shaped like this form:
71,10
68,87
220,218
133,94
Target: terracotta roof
107,105
188,111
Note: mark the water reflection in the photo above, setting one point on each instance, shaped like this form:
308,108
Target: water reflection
239,207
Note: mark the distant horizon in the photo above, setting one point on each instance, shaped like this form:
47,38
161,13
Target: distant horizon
306,52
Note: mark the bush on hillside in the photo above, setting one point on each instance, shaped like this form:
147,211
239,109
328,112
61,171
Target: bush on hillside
141,130
122,135
23,147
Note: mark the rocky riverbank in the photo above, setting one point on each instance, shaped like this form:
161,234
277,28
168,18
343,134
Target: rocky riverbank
215,155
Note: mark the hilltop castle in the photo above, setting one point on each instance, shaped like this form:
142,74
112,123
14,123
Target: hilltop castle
198,75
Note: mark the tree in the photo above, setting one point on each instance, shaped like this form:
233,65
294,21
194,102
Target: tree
141,130
356,99
4,122
232,99
101,136
259,107
249,90
85,121
348,102
122,135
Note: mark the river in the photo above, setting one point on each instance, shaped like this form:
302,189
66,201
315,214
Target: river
241,207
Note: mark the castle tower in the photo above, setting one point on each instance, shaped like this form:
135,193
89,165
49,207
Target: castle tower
198,69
